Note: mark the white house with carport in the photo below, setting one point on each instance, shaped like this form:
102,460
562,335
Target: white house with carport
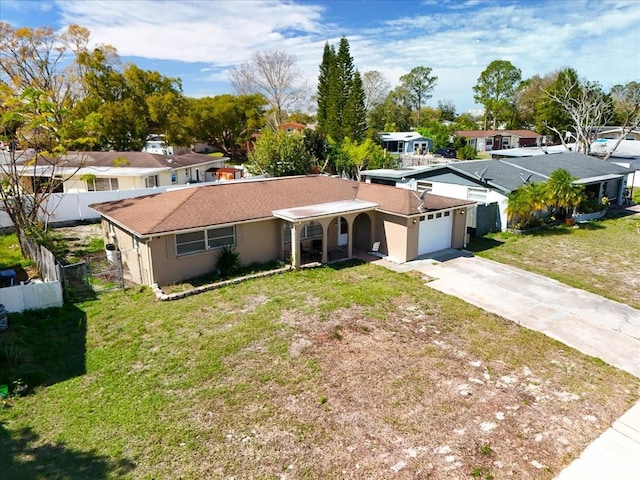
406,143
108,171
489,182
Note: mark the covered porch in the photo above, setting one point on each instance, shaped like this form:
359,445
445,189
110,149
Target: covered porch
326,232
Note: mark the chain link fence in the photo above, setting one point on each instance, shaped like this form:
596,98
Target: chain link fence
97,273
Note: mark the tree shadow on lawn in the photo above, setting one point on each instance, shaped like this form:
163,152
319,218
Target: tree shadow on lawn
43,347
564,229
480,244
23,456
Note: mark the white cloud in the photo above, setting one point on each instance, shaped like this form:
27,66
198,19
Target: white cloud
456,39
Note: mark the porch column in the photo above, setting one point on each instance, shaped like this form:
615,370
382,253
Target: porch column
620,191
350,237
295,246
325,228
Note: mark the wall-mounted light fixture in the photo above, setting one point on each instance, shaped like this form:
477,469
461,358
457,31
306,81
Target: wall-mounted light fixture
414,221
461,212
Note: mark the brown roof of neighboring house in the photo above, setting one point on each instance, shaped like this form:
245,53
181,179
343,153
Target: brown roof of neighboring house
292,125
207,205
493,133
131,160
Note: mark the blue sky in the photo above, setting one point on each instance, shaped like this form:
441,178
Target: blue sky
199,41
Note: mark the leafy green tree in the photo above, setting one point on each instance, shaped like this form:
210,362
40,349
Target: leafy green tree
466,152
465,121
361,156
528,99
496,89
301,117
132,104
319,149
418,83
549,116
438,132
31,118
393,115
447,110
226,121
278,154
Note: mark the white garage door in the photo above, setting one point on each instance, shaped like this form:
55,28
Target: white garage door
435,232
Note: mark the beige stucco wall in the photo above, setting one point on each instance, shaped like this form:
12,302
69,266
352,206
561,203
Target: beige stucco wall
459,228
393,234
74,184
256,242
133,256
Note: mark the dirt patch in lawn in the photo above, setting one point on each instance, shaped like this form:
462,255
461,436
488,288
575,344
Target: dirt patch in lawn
413,396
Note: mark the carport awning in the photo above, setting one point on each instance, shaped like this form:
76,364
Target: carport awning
319,210
601,178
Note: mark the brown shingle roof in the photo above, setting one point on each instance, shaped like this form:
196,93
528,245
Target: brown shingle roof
493,133
207,205
131,159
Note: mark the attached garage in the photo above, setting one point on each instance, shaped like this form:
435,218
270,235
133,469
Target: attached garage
435,232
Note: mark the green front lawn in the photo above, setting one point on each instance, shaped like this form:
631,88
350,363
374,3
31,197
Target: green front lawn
350,371
601,257
10,254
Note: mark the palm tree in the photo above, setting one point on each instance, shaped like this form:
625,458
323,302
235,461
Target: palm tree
518,208
537,196
563,193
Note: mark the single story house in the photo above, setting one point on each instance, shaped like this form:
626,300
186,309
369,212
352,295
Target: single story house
488,140
169,237
406,143
615,132
292,127
103,171
489,182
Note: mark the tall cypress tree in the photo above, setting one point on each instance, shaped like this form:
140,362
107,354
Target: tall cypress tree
326,69
354,119
341,97
344,82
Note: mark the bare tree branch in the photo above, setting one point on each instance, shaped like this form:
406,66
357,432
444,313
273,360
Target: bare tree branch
275,75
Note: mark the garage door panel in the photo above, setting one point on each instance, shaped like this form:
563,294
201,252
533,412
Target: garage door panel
435,232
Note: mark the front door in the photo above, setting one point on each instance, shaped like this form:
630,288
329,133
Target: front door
343,232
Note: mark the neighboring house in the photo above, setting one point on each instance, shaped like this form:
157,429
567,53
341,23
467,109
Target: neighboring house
488,140
411,143
292,127
533,151
173,236
614,132
103,171
489,182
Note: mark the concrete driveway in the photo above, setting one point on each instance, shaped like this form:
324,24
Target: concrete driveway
590,323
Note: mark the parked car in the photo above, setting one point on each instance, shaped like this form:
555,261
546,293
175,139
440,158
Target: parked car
446,152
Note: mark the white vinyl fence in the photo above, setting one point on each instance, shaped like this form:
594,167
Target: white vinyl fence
32,296
74,206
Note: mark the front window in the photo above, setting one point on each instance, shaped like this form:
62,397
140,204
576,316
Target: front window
201,241
190,242
151,181
220,237
308,230
102,184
